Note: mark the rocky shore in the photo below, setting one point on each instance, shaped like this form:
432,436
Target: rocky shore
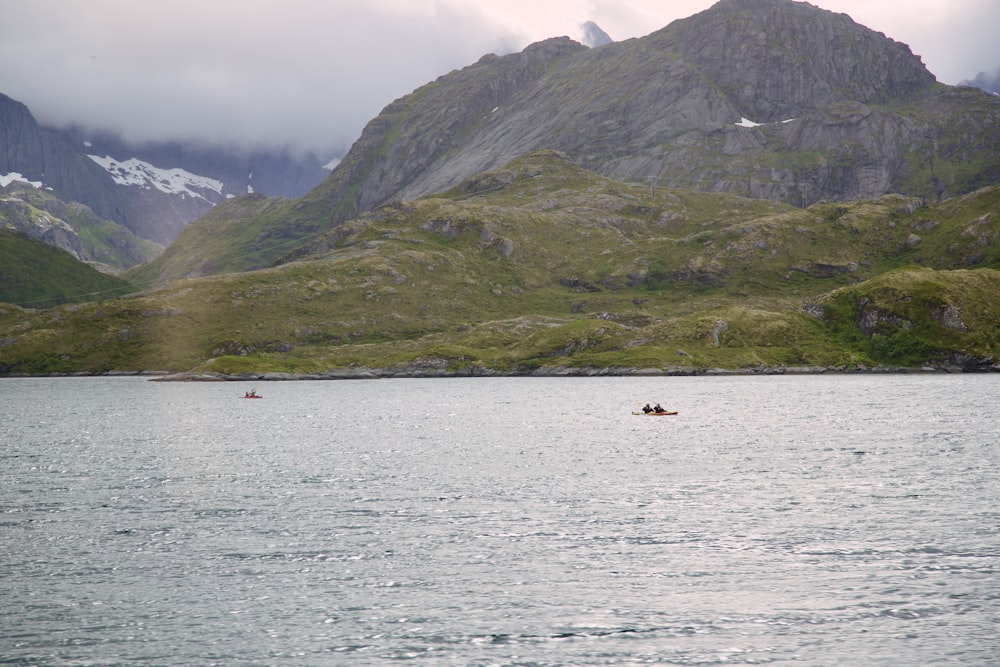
430,370
370,373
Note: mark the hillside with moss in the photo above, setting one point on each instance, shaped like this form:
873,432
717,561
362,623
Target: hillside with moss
543,267
35,274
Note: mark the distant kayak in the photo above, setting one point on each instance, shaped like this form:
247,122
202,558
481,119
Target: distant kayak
654,414
251,397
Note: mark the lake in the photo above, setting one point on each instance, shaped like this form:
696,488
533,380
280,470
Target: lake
807,520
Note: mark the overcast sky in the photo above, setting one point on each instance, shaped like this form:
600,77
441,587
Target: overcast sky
311,73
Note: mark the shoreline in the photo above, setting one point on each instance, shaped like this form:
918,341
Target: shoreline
375,373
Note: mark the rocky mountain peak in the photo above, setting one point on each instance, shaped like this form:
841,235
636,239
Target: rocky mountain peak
776,58
773,99
594,36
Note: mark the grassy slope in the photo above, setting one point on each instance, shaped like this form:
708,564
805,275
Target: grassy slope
35,274
542,264
227,238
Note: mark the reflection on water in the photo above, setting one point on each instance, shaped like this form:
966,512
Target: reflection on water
816,520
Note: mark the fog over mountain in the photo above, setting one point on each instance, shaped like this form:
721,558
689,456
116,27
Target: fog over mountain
986,81
308,76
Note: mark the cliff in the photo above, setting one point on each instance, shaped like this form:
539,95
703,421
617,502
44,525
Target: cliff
44,156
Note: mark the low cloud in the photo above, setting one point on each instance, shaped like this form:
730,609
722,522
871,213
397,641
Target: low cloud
303,74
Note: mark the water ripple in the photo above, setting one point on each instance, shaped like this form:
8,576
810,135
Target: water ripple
809,520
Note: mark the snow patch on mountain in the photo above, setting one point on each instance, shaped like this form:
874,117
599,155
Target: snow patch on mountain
171,181
7,179
746,122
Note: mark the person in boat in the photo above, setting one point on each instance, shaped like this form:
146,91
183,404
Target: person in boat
658,408
252,393
647,409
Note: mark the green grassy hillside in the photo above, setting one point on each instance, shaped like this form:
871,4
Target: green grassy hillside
909,316
237,235
543,266
37,275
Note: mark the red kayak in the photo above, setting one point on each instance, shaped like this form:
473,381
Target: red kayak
654,414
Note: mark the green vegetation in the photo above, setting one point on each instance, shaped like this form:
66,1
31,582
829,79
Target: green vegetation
917,316
37,275
222,241
103,244
544,267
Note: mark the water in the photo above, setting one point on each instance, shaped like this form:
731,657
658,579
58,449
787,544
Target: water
776,520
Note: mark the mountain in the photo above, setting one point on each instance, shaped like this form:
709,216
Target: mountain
544,267
239,170
594,36
768,99
43,156
169,184
28,208
153,189
763,98
986,81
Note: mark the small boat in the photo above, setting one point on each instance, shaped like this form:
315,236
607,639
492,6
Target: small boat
251,396
665,413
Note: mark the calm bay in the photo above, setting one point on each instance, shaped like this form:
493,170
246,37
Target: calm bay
807,520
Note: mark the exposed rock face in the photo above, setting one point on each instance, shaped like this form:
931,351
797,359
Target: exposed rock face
764,98
43,155
775,58
400,151
949,316
18,216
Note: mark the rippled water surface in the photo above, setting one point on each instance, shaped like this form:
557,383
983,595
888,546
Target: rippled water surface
776,520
